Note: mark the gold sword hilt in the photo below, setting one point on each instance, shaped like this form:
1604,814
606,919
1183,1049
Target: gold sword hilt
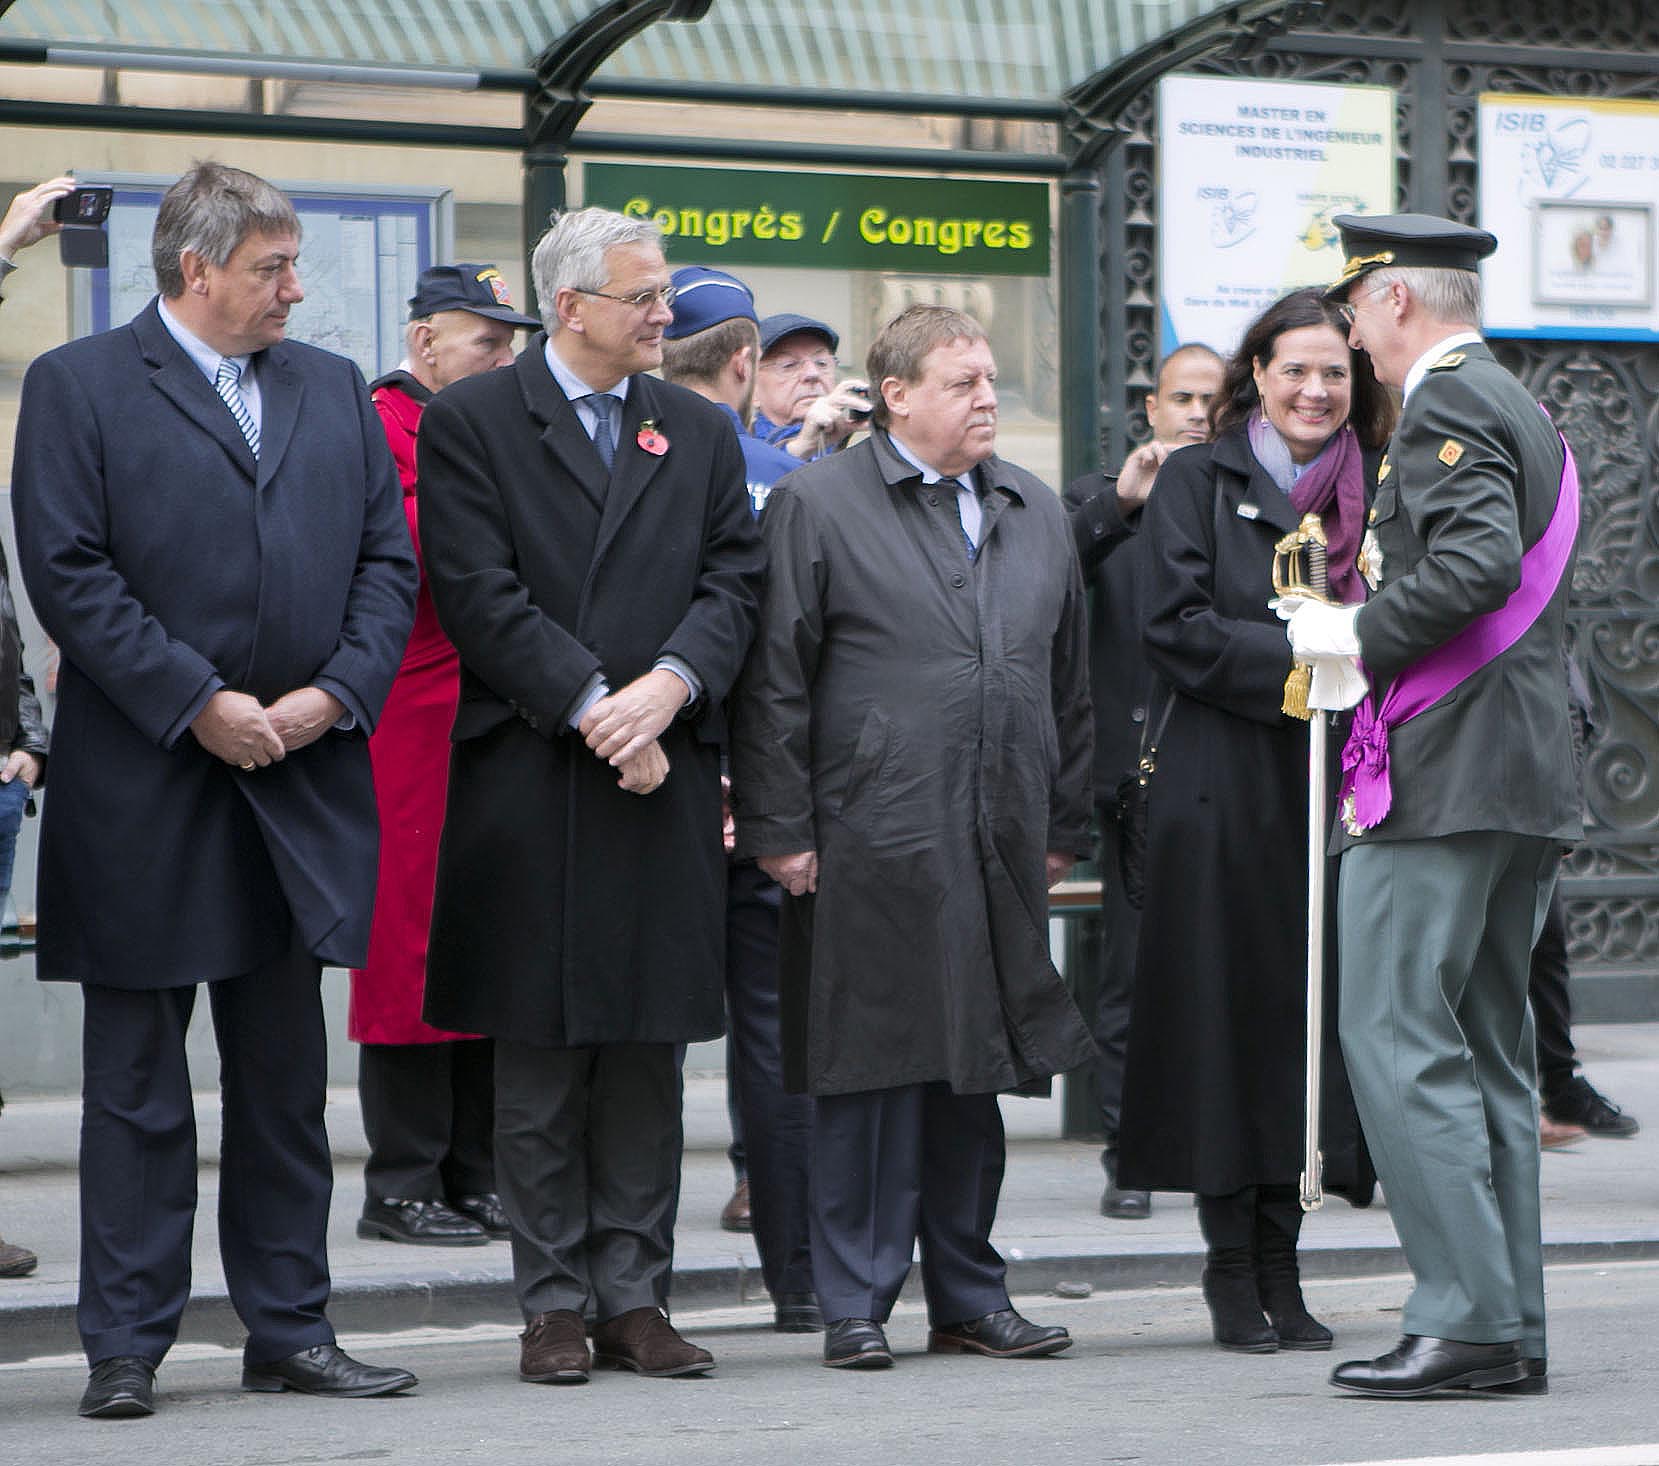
1300,568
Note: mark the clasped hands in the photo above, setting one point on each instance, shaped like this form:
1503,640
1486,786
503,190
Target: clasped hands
623,727
1323,636
240,730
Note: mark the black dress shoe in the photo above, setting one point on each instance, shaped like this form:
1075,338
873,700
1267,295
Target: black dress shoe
1124,1206
119,1388
1578,1102
420,1223
1534,1382
325,1370
856,1343
484,1208
1420,1365
797,1313
1001,1335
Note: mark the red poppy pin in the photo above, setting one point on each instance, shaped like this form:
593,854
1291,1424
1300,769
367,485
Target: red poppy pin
651,439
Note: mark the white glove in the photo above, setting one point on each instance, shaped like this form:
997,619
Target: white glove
1337,684
1318,630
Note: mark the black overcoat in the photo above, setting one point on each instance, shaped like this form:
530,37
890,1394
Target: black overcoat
166,566
568,911
1213,1080
922,722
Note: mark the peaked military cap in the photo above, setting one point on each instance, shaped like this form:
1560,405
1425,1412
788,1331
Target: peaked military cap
1380,241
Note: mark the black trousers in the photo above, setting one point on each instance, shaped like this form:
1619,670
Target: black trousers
891,1167
587,1148
138,1162
1120,931
1552,1008
777,1125
429,1113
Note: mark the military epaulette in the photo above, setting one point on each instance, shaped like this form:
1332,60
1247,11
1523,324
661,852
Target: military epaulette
1448,361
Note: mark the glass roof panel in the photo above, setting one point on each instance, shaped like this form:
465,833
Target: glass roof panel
1018,50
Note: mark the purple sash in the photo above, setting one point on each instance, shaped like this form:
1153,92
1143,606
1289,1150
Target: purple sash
1366,794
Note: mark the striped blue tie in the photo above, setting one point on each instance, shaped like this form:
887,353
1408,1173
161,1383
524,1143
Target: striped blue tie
228,384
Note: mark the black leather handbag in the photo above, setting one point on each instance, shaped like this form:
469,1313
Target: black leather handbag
1133,791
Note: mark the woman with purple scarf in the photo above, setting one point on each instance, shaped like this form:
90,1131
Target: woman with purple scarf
1213,1083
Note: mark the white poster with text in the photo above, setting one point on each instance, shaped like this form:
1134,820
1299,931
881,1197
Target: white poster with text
1251,175
1570,185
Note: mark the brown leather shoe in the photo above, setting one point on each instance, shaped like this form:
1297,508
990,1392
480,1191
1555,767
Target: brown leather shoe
553,1349
644,1341
1554,1136
734,1217
15,1261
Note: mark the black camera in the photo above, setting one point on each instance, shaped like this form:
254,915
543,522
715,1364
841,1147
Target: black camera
861,413
82,242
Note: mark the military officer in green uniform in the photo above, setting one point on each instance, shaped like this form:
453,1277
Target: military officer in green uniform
1458,794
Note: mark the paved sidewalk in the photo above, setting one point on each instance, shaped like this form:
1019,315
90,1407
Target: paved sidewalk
1601,1200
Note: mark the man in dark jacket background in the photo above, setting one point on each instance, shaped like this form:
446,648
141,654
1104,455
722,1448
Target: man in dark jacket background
28,220
910,762
1105,520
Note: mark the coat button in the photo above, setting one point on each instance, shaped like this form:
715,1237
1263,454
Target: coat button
933,499
959,580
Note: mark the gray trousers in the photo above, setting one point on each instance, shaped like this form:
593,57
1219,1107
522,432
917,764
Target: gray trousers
1435,940
587,1163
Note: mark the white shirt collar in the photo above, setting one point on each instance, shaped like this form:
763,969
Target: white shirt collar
1420,367
205,357
930,475
572,385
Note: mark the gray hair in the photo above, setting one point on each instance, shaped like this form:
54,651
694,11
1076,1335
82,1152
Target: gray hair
211,210
1452,296
571,254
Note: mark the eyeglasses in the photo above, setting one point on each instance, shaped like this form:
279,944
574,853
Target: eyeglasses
641,302
791,366
1347,311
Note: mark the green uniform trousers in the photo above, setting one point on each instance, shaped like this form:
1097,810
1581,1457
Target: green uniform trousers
1435,937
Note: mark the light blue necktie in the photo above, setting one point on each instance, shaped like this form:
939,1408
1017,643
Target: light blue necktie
604,407
228,384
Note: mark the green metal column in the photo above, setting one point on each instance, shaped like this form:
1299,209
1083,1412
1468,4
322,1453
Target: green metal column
544,192
1079,322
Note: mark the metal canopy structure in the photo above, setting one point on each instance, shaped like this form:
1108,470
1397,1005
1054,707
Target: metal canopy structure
1066,62
972,50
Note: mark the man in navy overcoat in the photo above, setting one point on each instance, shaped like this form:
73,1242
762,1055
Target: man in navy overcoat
210,526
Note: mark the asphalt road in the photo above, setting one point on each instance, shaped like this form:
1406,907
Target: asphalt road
1142,1384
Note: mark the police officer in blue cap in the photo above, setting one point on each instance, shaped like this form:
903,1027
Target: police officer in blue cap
712,347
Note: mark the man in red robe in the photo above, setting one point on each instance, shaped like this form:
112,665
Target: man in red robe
427,1094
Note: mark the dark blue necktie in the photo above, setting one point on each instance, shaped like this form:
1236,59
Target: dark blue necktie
954,487
604,426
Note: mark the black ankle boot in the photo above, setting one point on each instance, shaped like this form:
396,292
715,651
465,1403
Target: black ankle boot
1235,1310
1279,1285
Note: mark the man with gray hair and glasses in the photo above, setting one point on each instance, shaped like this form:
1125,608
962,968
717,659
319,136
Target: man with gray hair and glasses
591,553
1460,789
208,524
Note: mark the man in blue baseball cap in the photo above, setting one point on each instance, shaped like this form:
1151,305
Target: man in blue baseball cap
798,405
712,347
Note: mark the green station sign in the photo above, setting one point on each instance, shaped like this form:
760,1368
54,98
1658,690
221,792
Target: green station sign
839,221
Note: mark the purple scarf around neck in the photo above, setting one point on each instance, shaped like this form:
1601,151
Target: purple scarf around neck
1335,478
